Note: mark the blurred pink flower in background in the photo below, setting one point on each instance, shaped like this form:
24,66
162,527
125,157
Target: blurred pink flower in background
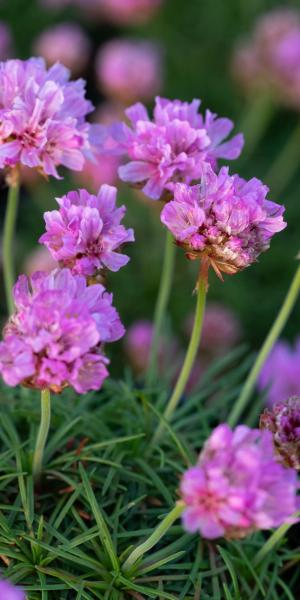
39,259
270,59
66,43
127,12
280,375
137,345
104,169
283,420
221,329
6,42
129,70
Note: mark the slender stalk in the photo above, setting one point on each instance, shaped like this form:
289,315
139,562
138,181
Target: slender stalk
8,246
270,340
276,536
286,163
154,538
255,121
161,303
42,434
191,351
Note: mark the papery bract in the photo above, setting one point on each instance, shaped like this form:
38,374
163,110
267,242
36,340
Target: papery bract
238,486
283,420
54,338
86,234
226,220
177,145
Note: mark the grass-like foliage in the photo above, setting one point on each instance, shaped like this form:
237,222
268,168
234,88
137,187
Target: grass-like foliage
104,489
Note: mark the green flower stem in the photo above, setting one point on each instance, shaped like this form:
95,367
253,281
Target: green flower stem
255,121
42,434
154,538
8,245
273,540
270,340
286,163
161,303
191,351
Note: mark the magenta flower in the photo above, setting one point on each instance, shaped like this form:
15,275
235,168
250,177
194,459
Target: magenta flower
283,420
238,486
66,43
175,146
54,339
9,592
270,60
43,117
279,376
85,234
226,220
129,70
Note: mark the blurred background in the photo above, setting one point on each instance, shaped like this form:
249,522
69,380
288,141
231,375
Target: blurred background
132,50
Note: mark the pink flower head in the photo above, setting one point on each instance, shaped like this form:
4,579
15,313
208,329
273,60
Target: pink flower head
86,234
129,70
226,220
54,339
66,43
43,117
175,146
9,592
280,375
127,12
283,420
270,60
237,486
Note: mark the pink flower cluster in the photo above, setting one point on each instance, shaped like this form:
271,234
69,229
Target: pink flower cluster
54,338
225,219
270,60
85,234
9,592
177,145
238,486
129,70
127,12
279,377
283,420
43,117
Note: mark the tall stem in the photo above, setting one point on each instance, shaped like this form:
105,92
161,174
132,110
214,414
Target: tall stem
285,164
191,352
8,245
161,303
255,121
154,538
42,434
270,340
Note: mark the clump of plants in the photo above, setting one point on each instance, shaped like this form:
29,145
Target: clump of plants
129,489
